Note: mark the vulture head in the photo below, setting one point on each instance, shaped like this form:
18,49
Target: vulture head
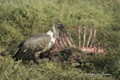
56,28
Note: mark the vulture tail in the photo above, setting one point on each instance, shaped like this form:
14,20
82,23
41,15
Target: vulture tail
15,56
17,53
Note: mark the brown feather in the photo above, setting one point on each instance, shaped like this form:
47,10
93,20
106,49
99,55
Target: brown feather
32,45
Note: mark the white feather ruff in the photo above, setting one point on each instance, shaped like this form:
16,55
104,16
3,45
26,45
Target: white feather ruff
52,38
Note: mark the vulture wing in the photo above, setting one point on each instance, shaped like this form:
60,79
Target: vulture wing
32,45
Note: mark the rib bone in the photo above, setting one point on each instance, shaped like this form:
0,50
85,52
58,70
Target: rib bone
84,37
89,37
79,31
65,41
69,39
93,39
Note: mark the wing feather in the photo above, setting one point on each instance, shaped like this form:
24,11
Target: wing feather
32,45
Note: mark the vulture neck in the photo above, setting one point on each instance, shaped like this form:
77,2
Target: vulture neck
53,38
55,32
54,35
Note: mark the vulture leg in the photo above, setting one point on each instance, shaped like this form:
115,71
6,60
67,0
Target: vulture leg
37,54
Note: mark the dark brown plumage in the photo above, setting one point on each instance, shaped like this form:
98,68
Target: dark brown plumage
34,46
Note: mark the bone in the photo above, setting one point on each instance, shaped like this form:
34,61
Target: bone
89,37
68,38
79,31
71,41
60,40
63,39
66,41
84,35
61,43
93,39
57,44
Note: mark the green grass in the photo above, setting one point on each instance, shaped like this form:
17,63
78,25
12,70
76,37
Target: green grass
21,19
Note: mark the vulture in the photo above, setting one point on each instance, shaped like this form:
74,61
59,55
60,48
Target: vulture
31,48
